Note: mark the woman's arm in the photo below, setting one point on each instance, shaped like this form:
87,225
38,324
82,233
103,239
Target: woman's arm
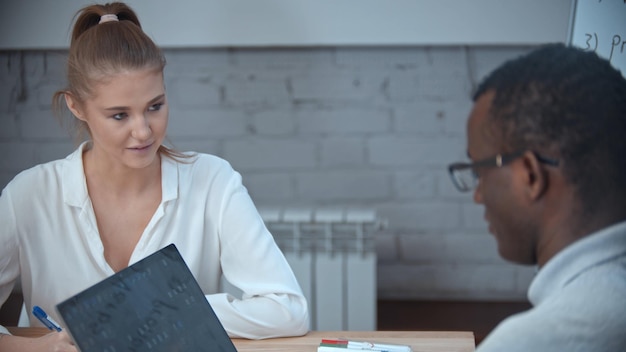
9,271
9,258
272,303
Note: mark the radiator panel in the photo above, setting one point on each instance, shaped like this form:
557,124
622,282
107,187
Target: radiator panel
332,254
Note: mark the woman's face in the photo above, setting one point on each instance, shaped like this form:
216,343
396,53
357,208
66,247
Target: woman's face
127,117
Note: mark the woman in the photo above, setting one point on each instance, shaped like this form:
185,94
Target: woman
123,195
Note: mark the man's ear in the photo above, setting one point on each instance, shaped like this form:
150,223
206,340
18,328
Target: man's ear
74,106
535,176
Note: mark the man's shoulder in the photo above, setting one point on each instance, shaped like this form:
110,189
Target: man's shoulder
555,328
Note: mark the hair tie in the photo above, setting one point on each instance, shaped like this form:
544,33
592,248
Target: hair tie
108,18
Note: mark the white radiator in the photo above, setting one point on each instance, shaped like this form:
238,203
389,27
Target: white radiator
332,253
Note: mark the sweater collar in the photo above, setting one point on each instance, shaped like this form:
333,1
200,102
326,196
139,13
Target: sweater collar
587,252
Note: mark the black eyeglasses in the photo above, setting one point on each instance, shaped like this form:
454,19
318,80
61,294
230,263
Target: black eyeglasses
465,177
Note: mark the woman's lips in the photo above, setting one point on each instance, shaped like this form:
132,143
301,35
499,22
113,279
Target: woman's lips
140,148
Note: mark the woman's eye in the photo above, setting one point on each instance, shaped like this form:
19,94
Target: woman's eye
119,116
155,107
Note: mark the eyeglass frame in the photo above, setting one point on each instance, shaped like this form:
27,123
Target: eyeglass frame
499,160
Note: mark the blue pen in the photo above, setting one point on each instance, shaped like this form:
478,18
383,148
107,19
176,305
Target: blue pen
45,319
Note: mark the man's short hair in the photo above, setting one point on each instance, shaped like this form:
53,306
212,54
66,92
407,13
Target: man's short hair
568,104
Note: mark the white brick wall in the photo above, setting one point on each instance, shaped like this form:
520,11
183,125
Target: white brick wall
354,126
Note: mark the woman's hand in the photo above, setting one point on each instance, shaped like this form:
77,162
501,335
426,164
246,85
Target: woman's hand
52,342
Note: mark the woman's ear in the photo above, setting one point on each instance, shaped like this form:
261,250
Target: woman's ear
74,106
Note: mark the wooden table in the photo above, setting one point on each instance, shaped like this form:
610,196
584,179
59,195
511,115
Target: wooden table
420,341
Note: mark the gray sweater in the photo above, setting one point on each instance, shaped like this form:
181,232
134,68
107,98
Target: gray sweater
578,298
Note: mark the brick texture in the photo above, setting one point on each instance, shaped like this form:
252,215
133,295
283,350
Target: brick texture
367,127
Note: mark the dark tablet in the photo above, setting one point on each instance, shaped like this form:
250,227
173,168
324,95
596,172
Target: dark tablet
153,305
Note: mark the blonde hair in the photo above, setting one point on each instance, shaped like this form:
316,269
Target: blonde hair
101,50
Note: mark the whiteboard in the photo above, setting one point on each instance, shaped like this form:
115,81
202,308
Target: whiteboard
45,24
600,26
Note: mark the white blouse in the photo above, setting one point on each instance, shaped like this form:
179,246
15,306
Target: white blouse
49,238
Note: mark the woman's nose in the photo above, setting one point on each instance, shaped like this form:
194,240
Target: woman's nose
141,128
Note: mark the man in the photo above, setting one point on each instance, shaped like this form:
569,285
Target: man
547,140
